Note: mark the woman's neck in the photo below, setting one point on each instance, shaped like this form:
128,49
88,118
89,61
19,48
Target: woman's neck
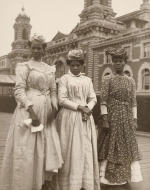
38,60
119,72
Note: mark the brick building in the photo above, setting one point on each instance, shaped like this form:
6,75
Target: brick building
99,29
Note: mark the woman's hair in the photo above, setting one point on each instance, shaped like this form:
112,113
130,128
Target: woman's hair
81,61
43,45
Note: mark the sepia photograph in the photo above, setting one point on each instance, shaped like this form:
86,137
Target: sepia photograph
75,95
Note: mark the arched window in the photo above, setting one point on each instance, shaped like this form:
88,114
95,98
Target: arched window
60,69
108,59
127,73
16,34
24,34
104,2
107,74
146,79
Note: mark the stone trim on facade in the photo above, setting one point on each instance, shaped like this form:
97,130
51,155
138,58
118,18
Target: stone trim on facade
145,65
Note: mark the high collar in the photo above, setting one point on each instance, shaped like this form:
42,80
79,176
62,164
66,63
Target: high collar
119,74
70,73
36,60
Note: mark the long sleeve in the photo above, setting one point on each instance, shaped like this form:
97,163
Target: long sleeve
53,90
133,93
104,91
92,100
63,95
21,84
133,99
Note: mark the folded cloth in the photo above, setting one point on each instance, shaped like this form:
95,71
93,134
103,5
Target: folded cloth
28,123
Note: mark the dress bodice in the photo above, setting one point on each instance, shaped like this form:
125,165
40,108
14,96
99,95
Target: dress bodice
118,87
77,90
34,75
38,75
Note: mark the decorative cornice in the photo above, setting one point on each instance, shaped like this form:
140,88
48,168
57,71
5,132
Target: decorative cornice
123,38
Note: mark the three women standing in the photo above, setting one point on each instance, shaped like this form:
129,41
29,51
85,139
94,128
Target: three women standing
32,158
117,146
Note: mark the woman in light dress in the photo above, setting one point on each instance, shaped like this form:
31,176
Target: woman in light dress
117,145
32,158
76,128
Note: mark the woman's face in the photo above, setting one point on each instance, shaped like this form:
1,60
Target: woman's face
119,64
75,67
37,50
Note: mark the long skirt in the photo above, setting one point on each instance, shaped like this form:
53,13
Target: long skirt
79,151
30,158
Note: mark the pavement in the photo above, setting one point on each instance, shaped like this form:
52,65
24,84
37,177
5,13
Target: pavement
143,139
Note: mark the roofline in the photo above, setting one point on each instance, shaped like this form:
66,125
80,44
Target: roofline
59,33
3,56
126,16
113,40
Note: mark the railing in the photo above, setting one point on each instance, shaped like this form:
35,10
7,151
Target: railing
70,37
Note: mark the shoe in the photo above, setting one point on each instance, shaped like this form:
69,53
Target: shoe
127,186
105,187
117,187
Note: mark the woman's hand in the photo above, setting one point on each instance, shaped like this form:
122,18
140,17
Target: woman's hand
135,123
34,117
55,104
85,117
106,126
85,110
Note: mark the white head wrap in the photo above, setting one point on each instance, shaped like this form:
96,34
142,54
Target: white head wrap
75,54
37,38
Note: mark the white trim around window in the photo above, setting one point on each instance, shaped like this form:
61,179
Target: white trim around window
130,55
142,48
145,65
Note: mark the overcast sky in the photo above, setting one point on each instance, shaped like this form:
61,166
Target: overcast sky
49,16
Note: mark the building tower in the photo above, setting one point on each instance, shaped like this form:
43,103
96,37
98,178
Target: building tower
20,50
98,19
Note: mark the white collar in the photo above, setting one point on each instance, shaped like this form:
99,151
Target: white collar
69,72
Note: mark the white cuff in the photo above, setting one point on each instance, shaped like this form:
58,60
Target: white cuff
134,111
91,105
104,109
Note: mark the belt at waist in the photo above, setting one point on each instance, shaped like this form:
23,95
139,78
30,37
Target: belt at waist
40,93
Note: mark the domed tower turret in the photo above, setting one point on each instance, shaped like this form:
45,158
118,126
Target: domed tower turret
20,50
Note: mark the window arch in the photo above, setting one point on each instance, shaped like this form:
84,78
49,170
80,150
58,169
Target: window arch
146,79
24,34
16,34
128,70
60,69
143,82
127,73
107,74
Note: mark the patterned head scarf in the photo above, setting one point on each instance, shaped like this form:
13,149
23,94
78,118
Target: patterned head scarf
75,54
37,38
117,52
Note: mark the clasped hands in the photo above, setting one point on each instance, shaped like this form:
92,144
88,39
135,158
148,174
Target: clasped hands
86,112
